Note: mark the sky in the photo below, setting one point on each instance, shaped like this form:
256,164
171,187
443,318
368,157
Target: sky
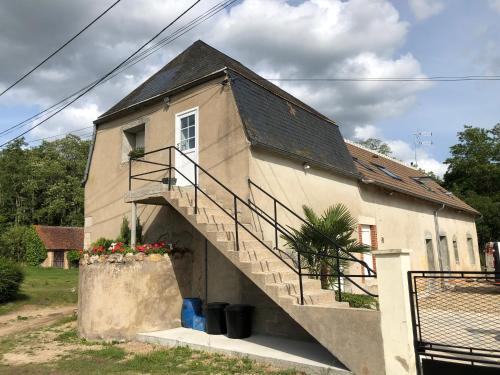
278,39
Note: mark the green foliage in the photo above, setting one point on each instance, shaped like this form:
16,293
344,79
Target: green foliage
474,175
12,244
314,240
42,185
11,277
22,244
360,301
35,249
136,153
377,145
125,232
74,258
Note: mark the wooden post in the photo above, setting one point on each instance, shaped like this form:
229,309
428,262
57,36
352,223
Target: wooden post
133,225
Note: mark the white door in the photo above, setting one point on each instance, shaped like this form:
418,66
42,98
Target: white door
366,239
186,140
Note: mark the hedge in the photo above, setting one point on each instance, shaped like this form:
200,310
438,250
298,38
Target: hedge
11,277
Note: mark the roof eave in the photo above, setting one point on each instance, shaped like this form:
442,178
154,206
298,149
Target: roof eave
110,116
437,201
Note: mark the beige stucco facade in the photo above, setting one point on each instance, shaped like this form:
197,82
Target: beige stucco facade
401,221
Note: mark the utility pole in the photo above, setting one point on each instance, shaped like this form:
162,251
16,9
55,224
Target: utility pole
420,138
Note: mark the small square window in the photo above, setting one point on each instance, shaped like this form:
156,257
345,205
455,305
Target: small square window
133,139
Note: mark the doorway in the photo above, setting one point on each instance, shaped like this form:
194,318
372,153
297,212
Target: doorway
186,140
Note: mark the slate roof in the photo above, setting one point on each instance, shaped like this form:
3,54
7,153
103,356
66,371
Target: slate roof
197,61
274,123
408,183
272,117
60,238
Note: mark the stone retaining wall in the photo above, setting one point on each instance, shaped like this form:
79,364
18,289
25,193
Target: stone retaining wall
119,296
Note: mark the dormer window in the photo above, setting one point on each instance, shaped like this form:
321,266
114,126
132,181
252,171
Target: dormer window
363,164
422,181
388,172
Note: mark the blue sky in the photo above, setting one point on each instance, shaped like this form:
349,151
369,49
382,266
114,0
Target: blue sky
451,43
277,38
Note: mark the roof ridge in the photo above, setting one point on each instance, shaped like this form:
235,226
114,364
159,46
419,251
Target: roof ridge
351,142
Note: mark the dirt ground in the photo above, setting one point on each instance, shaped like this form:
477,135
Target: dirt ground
32,317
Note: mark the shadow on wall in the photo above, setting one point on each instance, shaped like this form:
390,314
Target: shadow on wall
218,280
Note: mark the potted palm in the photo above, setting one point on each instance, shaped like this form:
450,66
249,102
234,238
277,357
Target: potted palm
317,242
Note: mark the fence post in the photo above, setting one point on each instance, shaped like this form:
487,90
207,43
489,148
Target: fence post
133,225
395,311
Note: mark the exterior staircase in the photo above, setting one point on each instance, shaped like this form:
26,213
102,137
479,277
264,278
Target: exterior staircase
352,335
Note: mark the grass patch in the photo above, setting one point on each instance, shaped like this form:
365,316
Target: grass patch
358,300
45,287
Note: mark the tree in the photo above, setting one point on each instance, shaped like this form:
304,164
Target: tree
42,185
474,175
315,240
377,145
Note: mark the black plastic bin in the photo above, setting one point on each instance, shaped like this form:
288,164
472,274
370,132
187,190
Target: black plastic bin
239,321
216,318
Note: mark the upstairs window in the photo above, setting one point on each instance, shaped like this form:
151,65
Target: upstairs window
388,172
133,140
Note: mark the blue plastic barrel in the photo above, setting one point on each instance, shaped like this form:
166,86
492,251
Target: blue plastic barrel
191,307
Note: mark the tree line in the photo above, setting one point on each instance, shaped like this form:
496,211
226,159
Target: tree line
42,184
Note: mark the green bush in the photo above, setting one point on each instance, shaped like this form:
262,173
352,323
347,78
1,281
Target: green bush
12,244
22,244
35,249
74,258
126,234
358,300
11,277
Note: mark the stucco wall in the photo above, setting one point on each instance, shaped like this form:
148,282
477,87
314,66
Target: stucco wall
223,151
401,221
118,300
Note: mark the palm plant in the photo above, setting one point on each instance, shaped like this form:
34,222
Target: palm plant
319,241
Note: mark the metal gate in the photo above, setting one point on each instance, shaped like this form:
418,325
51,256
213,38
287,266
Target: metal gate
456,322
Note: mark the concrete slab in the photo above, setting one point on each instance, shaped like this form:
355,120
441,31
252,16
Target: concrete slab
309,357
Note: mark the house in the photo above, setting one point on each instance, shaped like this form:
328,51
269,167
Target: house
58,241
257,155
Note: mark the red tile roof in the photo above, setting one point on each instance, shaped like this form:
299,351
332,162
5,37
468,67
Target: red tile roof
370,165
60,238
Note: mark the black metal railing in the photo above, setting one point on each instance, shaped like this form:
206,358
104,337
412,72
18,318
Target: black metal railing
238,203
340,253
456,316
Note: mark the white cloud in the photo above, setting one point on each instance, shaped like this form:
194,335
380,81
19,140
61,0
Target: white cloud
405,152
365,132
424,9
315,38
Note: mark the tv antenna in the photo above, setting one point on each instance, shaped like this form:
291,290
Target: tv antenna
421,138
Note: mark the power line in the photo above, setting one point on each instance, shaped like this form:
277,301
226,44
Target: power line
141,56
102,78
64,134
60,48
389,79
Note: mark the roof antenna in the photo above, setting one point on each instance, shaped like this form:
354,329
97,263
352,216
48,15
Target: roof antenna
420,138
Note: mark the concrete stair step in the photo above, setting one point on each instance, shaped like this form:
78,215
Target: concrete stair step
293,288
319,297
269,265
